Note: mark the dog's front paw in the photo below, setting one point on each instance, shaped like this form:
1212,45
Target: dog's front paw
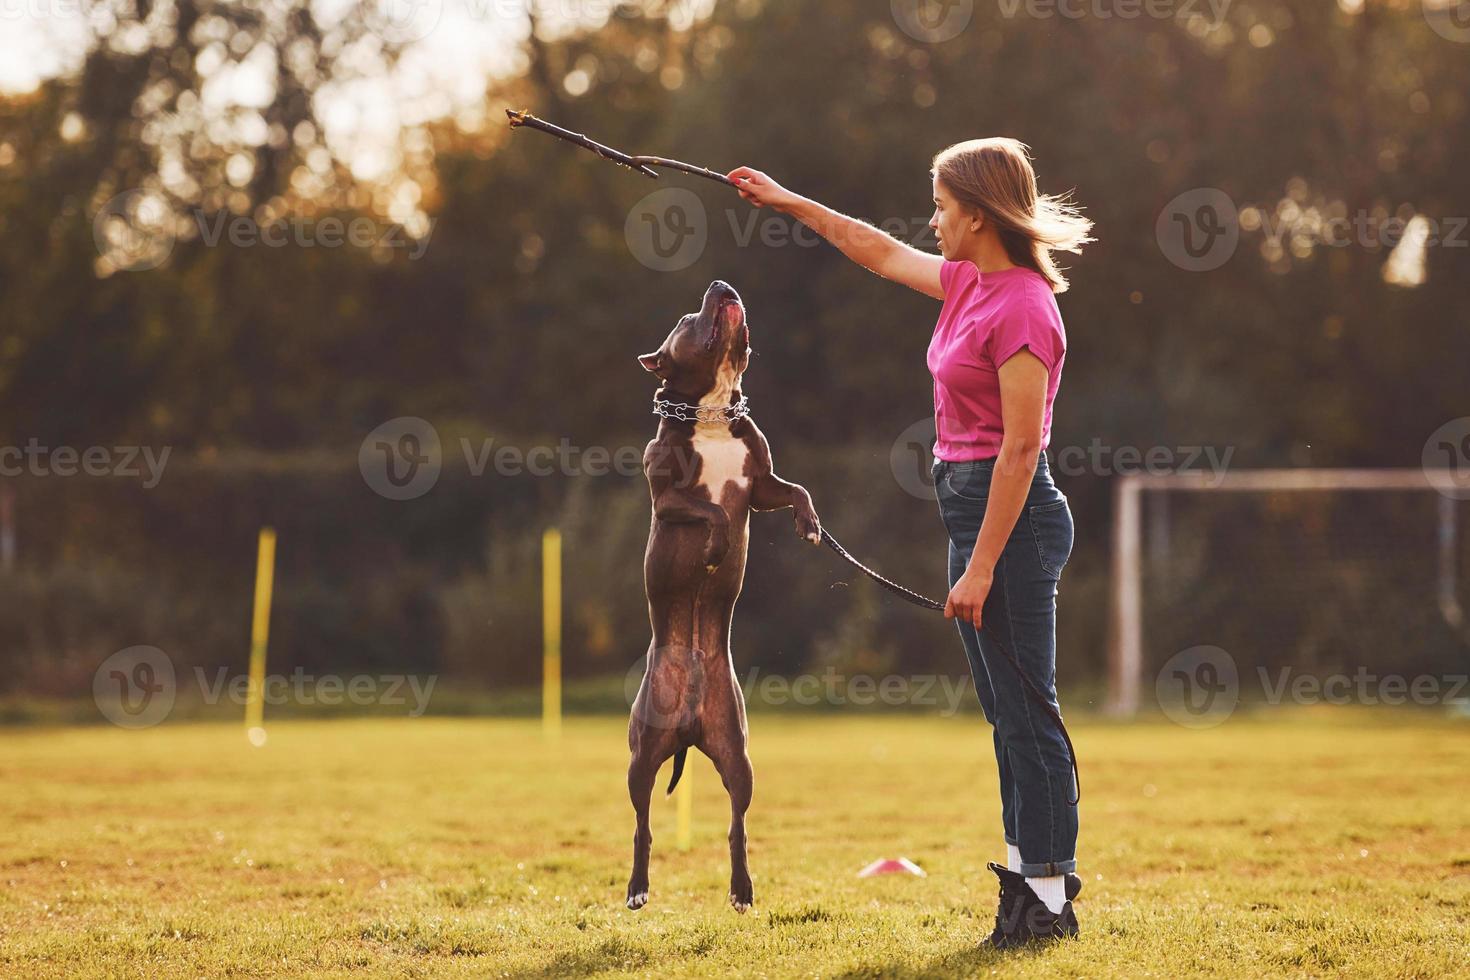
809,526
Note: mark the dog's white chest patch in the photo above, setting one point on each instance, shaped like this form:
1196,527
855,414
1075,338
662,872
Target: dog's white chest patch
722,461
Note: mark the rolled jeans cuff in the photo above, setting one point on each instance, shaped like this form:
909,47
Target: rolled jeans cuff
1048,869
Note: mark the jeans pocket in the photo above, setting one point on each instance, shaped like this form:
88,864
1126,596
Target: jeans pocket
968,483
1051,526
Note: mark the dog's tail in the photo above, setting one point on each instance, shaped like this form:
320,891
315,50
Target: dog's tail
678,768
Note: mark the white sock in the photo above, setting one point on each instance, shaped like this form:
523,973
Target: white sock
1013,858
1051,890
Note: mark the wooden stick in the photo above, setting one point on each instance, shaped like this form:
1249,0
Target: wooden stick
642,164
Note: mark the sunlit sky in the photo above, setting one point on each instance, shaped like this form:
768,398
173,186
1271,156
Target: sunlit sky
452,48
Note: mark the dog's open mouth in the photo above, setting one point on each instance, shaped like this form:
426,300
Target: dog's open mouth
728,314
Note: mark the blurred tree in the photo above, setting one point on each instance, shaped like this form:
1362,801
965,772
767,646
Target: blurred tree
522,316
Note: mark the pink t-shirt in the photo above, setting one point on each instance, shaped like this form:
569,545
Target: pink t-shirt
985,319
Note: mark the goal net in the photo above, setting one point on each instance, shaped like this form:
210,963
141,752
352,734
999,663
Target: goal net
1285,573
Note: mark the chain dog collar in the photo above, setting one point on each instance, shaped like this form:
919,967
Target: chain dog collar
684,412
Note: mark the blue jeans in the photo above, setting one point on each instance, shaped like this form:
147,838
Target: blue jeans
1035,769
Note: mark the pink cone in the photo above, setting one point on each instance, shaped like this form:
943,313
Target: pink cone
890,866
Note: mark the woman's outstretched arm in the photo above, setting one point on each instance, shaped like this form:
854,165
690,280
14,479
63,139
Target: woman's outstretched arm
869,247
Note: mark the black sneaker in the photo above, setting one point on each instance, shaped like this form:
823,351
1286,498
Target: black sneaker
1023,918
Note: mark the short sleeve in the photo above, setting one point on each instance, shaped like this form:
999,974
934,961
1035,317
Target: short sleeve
1034,324
950,271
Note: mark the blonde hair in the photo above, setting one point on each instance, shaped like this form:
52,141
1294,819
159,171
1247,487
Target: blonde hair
995,176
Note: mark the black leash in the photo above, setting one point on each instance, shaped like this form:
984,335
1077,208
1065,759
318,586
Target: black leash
928,603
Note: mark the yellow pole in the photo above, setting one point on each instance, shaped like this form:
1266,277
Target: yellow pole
685,806
265,571
551,633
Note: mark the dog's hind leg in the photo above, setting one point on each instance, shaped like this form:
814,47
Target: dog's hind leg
733,764
642,771
651,746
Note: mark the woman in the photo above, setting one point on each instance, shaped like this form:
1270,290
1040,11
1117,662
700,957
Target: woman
996,357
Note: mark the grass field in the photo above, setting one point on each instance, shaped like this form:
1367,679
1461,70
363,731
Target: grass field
1320,842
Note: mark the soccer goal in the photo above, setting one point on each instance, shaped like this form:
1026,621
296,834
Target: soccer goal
1313,570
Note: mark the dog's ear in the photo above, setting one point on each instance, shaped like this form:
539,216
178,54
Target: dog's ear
651,362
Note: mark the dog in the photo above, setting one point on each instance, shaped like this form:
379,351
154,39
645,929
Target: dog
707,468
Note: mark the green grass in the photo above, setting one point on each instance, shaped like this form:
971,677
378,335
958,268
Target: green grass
1315,842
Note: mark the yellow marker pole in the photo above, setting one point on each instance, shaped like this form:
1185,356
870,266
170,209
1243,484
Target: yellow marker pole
685,806
265,573
551,633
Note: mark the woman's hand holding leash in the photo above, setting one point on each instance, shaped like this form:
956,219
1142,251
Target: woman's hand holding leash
967,598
